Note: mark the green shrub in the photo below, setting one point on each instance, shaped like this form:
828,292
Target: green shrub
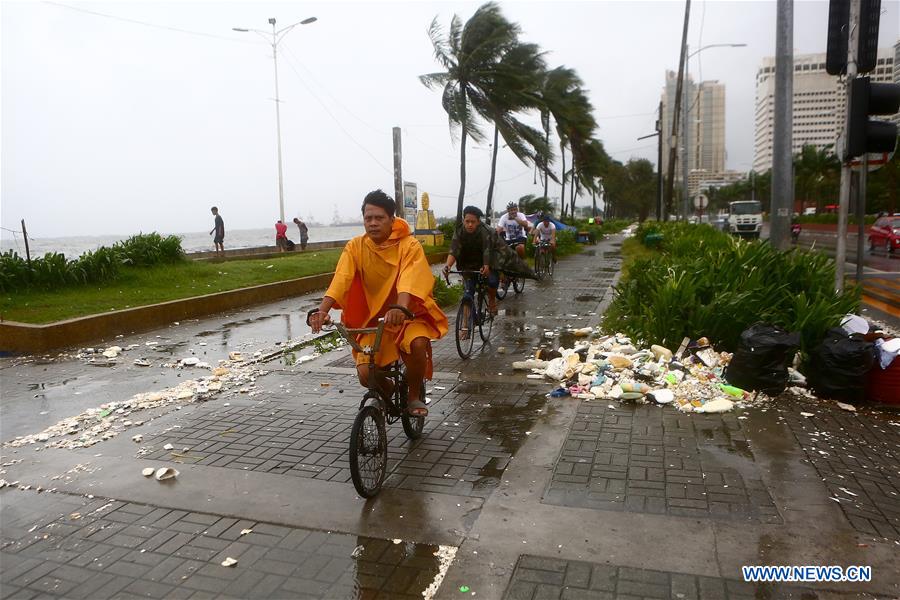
54,270
448,228
707,283
145,250
446,295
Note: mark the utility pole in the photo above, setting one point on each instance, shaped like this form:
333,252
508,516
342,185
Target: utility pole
846,173
782,202
676,109
861,215
659,179
25,237
685,137
398,173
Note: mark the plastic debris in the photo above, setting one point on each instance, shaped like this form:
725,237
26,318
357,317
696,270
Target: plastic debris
719,405
137,438
148,472
112,351
464,589
358,551
246,531
168,447
165,473
847,407
229,562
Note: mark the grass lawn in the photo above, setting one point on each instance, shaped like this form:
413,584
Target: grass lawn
143,286
633,249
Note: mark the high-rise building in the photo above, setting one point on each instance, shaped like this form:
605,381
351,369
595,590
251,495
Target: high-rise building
818,106
705,127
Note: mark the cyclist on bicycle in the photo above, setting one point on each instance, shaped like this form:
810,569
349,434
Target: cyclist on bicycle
473,249
514,226
545,231
387,266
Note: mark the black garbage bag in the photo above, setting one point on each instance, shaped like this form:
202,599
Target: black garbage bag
762,359
838,366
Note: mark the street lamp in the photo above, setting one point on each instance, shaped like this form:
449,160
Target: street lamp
684,121
277,36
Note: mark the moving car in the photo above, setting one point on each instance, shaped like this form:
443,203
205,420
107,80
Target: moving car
745,218
885,233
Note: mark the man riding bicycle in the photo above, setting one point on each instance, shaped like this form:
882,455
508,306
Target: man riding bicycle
514,226
387,266
545,231
472,249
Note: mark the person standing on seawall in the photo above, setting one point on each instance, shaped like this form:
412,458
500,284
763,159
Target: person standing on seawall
219,231
281,236
304,232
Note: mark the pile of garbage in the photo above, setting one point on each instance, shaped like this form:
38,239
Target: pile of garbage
112,418
612,367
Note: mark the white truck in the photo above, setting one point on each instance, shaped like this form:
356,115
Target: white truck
745,218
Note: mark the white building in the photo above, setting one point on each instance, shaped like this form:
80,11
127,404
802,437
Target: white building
819,102
705,126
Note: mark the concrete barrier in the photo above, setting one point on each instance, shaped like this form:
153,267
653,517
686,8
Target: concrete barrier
262,251
28,338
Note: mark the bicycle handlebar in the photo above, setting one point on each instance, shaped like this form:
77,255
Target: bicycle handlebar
350,334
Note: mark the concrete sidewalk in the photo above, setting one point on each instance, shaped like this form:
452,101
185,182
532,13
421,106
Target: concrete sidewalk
509,493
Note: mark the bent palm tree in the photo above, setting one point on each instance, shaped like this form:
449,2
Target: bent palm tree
470,55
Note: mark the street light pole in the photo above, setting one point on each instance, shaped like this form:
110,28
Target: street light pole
684,166
277,36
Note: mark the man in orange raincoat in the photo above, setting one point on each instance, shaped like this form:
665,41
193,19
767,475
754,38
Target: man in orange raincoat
387,266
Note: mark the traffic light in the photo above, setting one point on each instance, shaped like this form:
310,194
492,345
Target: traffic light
867,98
839,33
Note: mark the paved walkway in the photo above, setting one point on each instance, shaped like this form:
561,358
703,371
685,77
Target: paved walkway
509,493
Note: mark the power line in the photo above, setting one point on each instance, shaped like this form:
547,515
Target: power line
632,149
469,195
333,118
330,95
154,25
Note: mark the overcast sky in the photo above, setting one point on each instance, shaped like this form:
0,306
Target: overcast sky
143,121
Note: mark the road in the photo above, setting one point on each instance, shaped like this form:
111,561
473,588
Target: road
510,493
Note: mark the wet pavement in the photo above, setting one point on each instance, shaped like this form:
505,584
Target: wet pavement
508,494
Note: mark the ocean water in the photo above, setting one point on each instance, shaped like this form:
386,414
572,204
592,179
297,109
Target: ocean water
73,247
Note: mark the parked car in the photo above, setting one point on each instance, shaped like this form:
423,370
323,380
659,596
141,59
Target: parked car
885,233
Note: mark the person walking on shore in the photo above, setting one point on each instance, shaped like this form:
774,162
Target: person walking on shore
304,232
281,236
219,231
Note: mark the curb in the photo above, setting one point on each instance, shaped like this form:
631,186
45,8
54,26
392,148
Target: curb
29,338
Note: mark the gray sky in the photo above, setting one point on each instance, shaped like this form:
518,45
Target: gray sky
110,126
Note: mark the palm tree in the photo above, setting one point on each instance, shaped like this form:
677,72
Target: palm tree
556,93
471,57
515,88
816,172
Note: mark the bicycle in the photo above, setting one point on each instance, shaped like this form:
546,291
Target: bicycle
543,260
517,282
473,310
368,436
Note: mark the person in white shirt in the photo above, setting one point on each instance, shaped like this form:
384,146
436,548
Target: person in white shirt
513,225
545,231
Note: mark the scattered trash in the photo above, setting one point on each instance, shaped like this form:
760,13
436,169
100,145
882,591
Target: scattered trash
839,364
246,531
464,589
397,541
358,551
165,473
229,562
148,472
762,358
847,407
168,447
112,351
190,361
807,414
137,438
142,362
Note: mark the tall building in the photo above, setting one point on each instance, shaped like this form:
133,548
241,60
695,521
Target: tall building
818,106
705,127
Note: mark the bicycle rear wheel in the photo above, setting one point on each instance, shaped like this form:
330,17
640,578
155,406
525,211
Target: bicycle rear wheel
465,327
485,318
368,451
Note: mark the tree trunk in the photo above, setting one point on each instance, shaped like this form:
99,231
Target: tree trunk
593,203
572,193
546,124
462,166
489,207
562,194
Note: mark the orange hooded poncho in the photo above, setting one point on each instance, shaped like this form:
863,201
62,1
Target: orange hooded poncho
368,279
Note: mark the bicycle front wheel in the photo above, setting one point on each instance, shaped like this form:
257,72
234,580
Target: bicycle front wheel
539,263
519,284
368,451
412,426
465,327
485,318
502,288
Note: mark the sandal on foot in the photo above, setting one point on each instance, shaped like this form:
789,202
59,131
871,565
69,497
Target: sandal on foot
416,408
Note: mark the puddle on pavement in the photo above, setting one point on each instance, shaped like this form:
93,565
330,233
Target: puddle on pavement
376,562
587,298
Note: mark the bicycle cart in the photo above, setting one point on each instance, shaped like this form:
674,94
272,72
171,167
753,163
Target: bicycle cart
368,436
